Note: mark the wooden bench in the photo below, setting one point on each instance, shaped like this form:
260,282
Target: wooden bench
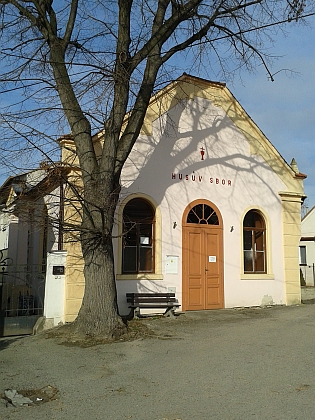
166,301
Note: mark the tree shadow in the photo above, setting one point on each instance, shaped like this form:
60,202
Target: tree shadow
5,342
237,169
171,154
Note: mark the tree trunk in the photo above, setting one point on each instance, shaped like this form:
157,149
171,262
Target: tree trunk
99,315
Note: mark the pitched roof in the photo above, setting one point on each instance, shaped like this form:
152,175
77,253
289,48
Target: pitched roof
32,184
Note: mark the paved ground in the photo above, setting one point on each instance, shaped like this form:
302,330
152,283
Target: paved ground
228,364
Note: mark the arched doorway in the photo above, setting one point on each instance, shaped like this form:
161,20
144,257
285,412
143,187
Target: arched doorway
202,257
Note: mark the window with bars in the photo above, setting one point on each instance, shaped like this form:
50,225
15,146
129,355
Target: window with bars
254,238
138,237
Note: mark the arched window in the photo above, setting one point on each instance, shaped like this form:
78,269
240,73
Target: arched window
254,234
138,237
202,214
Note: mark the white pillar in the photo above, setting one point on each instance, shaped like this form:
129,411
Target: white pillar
54,303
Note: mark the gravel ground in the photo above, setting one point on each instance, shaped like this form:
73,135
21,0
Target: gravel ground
226,364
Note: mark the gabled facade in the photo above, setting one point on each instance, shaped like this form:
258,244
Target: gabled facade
208,209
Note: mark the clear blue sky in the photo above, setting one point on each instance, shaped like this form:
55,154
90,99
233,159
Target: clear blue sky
285,109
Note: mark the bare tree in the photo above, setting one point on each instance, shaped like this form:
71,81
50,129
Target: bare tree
92,62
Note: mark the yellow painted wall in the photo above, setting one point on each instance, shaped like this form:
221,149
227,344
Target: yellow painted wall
74,263
291,204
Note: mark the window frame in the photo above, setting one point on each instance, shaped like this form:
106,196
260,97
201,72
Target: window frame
303,256
155,275
136,226
203,214
255,239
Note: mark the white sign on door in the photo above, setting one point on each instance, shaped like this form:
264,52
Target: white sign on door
212,258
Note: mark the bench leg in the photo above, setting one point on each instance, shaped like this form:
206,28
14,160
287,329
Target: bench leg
137,313
169,312
131,314
134,313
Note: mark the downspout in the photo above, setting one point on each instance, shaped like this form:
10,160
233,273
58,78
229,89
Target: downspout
61,216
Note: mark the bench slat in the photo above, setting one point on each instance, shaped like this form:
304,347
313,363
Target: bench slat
157,300
150,295
148,305
151,301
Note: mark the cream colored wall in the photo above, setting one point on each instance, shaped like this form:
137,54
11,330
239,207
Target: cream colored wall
235,151
74,281
74,278
291,237
188,87
255,183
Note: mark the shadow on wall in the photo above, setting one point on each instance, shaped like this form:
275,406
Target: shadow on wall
189,138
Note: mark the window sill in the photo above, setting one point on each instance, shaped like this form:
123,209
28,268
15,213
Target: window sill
142,276
257,276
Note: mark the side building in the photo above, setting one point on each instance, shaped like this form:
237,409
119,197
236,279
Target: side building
29,230
307,249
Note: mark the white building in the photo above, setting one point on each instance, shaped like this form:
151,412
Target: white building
29,216
209,209
307,248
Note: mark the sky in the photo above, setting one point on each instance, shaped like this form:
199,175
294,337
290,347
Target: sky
284,110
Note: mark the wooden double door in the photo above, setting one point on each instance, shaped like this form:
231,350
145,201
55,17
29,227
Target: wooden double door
202,257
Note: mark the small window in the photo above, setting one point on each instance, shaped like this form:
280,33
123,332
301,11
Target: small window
254,237
303,255
138,237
